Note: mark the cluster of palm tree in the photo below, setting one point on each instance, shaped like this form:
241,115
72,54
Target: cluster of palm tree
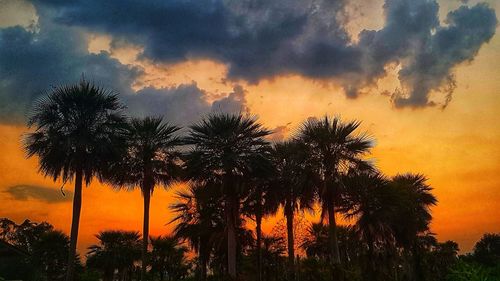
234,173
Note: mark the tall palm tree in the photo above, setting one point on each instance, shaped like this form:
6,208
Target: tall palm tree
227,149
293,190
335,148
75,137
150,159
117,250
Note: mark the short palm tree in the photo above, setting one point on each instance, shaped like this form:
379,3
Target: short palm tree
335,148
150,159
293,187
200,221
370,203
412,216
116,250
75,137
227,149
260,202
167,258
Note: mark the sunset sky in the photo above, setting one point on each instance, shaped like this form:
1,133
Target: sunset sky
423,76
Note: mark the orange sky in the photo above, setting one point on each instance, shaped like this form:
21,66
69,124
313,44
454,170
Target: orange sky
457,148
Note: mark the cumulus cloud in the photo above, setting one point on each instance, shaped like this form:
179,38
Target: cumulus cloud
32,61
255,39
182,104
262,39
235,102
431,65
46,194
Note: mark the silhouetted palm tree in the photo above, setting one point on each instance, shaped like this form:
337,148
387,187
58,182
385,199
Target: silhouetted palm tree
150,160
370,202
412,215
258,204
167,258
294,182
487,250
75,137
261,201
200,221
273,251
227,149
117,250
336,149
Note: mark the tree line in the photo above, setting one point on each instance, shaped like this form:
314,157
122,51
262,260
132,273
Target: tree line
234,174
117,255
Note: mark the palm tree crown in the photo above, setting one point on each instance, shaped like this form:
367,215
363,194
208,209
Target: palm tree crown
225,145
150,157
75,129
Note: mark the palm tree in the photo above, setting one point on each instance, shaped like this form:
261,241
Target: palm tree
150,160
199,218
117,250
335,149
371,203
274,249
260,202
293,187
412,215
75,137
167,258
227,149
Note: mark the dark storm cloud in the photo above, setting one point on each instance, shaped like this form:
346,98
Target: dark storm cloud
33,61
432,64
46,194
257,39
261,39
185,103
30,62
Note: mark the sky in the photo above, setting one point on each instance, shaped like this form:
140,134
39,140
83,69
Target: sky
421,75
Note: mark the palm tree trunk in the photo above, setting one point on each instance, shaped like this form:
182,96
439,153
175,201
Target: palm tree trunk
334,243
258,219
291,251
203,267
75,223
145,233
231,214
370,262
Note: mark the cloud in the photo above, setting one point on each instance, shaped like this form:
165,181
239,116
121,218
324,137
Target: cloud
32,61
256,39
262,39
431,66
181,104
280,133
235,102
46,194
